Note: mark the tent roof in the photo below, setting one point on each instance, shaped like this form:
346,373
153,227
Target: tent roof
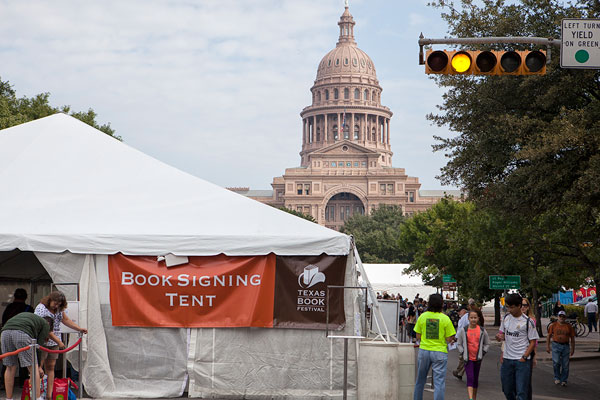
391,274
68,186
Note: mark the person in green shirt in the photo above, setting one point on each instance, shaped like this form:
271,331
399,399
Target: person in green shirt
434,331
17,333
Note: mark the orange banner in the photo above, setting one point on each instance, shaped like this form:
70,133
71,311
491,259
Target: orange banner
216,291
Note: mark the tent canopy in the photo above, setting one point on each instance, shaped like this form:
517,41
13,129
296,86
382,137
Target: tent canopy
68,186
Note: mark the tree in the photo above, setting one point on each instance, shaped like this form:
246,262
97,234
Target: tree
15,111
528,147
298,214
377,235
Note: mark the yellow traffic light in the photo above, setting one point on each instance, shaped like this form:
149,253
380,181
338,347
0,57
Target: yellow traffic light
461,62
467,62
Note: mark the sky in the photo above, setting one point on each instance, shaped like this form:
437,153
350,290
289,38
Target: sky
215,87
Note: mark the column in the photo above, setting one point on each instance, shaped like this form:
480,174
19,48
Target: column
365,129
325,132
303,131
314,128
340,130
351,127
388,131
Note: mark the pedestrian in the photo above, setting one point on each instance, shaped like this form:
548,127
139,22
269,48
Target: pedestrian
17,306
519,336
559,334
19,332
527,310
434,331
53,306
473,343
557,307
411,320
462,323
590,311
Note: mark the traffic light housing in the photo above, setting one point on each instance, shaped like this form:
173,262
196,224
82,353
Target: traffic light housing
487,62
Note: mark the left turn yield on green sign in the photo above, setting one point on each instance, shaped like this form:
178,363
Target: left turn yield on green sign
580,43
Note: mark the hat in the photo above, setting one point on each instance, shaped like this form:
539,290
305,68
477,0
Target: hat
562,313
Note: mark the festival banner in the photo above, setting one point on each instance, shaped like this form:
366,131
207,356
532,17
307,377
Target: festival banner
225,291
301,292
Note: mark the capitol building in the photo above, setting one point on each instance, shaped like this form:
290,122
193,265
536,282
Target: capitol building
346,158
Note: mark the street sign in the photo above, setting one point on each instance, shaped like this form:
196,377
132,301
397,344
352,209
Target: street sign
580,43
449,286
448,278
501,282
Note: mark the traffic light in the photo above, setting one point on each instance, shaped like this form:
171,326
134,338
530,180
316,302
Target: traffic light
487,62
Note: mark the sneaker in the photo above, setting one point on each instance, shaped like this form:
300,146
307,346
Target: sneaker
556,381
563,384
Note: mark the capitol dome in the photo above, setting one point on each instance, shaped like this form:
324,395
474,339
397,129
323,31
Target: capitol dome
346,58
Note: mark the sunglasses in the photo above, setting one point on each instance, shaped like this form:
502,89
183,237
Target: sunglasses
524,305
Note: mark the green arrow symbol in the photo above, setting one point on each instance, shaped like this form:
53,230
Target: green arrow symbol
582,56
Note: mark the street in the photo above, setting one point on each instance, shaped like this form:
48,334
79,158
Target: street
583,380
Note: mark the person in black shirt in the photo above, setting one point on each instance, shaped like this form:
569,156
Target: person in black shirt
17,306
557,307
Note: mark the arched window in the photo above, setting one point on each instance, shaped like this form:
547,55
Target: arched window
356,94
318,134
366,95
335,132
326,94
346,131
373,134
318,96
336,94
346,93
337,61
356,130
345,61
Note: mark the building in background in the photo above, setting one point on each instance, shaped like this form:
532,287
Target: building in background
346,158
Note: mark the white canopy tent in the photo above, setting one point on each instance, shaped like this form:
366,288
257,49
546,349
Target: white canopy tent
72,195
394,279
68,186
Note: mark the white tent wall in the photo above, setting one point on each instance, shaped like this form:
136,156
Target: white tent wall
228,363
268,363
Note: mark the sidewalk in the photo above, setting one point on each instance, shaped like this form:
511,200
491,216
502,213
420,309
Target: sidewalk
586,348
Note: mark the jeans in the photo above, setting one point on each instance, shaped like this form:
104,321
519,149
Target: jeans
560,361
437,361
592,321
514,375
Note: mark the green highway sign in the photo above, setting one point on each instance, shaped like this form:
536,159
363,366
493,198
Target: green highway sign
448,278
502,282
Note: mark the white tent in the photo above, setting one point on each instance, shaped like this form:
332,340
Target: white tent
394,279
68,186
72,195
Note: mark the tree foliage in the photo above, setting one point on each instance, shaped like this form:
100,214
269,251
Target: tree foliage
528,147
298,214
377,235
18,110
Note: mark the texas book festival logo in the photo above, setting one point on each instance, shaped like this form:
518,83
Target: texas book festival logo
311,300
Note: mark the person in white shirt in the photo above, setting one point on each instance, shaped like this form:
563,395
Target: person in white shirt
591,311
519,335
462,322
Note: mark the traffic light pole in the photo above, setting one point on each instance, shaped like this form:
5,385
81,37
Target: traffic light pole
548,42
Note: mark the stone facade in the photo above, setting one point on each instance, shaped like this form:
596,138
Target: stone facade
346,158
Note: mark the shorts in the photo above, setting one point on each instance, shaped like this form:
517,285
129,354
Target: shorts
49,356
13,340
